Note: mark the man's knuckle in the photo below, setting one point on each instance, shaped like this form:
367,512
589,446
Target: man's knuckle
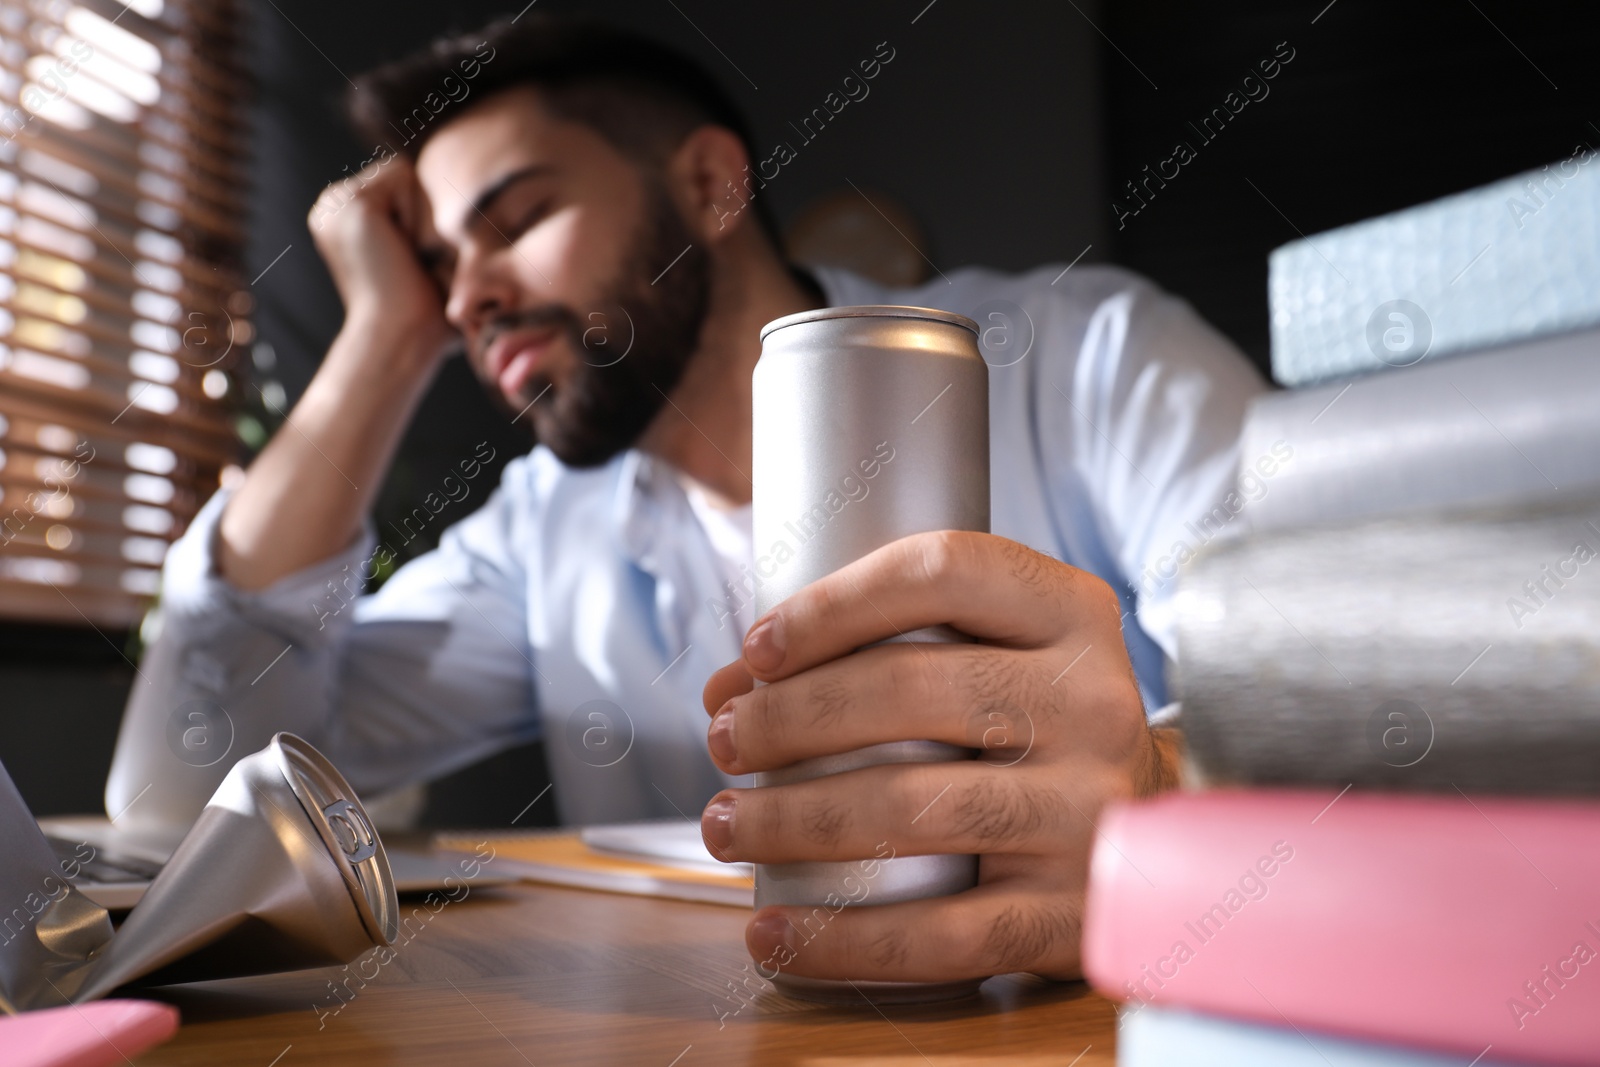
828,605
998,685
984,725
1097,594
1032,570
759,720
908,680
1020,937
765,817
889,948
823,822
993,814
988,673
943,554
829,698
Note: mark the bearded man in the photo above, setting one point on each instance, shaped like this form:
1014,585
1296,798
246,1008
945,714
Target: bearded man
588,226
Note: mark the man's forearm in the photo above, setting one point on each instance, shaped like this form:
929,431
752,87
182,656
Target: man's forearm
305,495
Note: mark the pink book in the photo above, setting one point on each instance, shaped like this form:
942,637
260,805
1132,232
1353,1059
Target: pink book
91,1035
1448,922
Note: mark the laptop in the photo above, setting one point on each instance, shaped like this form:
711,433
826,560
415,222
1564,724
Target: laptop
115,865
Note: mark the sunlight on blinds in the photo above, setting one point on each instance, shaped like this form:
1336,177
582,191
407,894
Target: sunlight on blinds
123,312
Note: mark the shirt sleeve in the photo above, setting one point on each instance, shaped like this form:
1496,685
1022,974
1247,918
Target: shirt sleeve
431,673
1160,398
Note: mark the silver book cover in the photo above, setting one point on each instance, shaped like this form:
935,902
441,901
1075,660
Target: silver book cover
1449,653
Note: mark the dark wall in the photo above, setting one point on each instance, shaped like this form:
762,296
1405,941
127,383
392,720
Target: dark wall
1384,105
61,695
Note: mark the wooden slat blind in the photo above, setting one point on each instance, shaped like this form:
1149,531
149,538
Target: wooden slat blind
124,313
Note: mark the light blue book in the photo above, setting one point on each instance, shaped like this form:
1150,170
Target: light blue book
1162,1037
1507,262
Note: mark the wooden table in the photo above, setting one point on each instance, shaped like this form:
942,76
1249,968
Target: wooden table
526,974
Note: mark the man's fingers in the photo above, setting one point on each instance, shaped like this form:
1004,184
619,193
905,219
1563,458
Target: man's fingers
993,929
917,809
725,684
968,695
991,588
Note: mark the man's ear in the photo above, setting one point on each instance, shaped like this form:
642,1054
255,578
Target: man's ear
712,184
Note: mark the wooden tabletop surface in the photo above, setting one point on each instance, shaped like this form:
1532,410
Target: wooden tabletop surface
526,974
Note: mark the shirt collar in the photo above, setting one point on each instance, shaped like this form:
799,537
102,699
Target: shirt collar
634,509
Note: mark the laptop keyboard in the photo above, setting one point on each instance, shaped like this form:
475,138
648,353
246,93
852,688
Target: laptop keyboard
102,866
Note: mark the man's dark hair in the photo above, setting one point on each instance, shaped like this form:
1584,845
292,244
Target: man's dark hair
641,96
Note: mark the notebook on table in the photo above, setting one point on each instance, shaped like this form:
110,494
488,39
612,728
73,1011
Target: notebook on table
654,859
114,865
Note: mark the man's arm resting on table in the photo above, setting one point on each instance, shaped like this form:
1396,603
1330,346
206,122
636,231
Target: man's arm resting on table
424,676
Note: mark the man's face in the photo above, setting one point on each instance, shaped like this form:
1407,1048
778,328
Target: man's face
566,272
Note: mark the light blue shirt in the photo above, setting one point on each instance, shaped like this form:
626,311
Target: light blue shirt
587,606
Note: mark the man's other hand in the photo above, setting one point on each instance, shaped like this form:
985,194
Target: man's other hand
1046,695
303,499
368,229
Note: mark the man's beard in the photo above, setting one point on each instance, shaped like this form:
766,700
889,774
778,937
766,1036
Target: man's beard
632,346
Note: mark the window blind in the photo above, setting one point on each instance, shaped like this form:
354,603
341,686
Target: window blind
124,315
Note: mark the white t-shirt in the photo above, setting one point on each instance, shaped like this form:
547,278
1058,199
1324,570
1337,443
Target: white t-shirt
732,535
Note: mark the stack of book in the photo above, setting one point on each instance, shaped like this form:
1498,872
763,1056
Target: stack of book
1391,682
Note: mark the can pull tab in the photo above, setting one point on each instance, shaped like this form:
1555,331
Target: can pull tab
350,828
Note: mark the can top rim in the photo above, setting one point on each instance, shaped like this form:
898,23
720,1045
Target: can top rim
871,311
316,783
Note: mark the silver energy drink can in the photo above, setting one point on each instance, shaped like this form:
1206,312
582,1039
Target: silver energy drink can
282,870
870,424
